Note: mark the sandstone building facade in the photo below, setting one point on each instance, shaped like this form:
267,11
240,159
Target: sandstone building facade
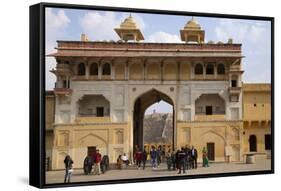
103,89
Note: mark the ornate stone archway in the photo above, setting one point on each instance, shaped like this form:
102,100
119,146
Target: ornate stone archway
140,105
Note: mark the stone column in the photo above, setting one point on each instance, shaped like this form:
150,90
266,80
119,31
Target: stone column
178,70
112,70
204,70
87,70
162,71
127,70
99,70
215,70
144,70
192,70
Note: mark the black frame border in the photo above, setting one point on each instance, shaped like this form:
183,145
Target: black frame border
37,94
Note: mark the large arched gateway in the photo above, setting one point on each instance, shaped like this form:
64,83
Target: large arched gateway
141,104
104,87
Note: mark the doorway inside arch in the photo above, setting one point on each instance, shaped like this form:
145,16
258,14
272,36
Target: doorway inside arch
153,120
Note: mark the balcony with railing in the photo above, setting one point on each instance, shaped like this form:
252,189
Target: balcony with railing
234,90
92,119
214,117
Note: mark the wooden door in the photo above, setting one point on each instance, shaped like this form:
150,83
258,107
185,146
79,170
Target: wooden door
100,112
211,151
253,143
209,110
91,151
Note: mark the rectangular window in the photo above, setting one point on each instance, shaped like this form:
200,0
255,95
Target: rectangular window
64,83
100,112
233,83
267,142
209,110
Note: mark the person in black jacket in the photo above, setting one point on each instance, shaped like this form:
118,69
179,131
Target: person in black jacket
173,159
193,153
68,168
188,157
181,160
144,157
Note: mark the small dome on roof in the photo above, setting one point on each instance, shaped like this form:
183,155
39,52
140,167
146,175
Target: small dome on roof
192,24
129,23
192,32
129,30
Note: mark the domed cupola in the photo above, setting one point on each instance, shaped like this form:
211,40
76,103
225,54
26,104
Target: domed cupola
129,30
192,32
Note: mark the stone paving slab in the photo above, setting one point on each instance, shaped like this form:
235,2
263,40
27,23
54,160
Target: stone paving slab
161,171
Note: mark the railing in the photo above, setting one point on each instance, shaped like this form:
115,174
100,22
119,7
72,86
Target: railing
214,117
234,90
92,119
62,91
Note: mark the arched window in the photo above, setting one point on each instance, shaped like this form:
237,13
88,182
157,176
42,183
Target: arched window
198,69
221,69
94,70
106,69
210,69
81,69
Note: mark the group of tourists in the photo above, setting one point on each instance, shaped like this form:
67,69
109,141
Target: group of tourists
181,160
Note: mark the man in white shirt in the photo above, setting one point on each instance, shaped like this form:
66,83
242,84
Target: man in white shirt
125,159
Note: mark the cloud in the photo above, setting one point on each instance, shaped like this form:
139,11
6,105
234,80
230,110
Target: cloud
255,39
239,31
56,21
100,26
163,37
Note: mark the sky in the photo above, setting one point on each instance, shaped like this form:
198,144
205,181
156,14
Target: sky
255,36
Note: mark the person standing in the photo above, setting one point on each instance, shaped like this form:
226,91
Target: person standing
138,158
144,157
205,157
169,159
159,153
153,155
181,160
194,157
135,151
97,160
68,162
173,159
187,158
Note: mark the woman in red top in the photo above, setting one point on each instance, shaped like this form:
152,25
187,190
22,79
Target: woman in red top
138,157
97,160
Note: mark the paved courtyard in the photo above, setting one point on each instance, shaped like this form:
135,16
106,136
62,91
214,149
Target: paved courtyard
131,172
